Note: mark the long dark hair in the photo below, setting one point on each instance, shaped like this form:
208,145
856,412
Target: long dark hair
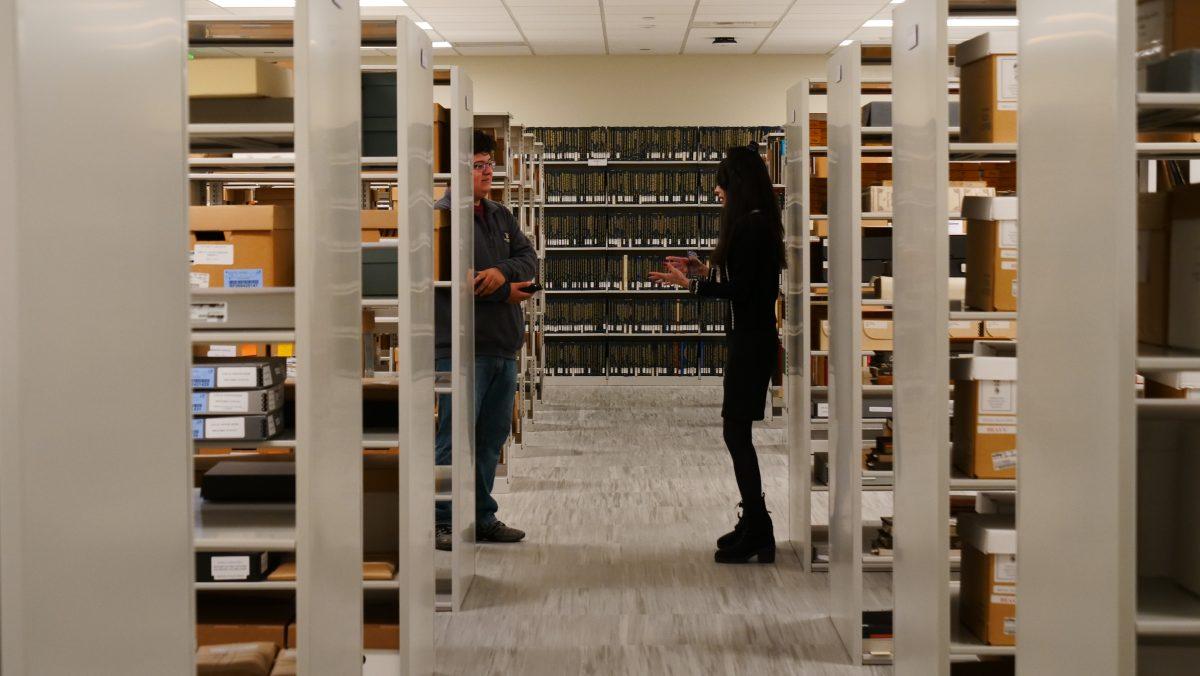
747,185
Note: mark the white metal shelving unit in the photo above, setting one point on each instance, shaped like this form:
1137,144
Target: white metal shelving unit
796,341
93,505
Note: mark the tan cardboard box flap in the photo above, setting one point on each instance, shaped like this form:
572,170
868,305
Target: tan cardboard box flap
379,219
286,664
237,659
878,329
232,217
989,533
983,46
989,208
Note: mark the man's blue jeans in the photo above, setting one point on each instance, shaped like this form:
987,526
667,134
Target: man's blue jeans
495,388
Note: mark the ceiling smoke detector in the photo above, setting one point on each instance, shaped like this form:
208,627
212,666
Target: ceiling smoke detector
724,41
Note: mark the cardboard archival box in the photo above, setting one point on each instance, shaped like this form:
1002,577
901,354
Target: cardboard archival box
885,290
1167,26
1153,252
988,88
987,602
876,334
236,659
244,246
984,429
879,198
992,241
999,329
237,78
1183,322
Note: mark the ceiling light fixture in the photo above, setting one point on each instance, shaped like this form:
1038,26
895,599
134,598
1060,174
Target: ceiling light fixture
847,42
897,2
442,44
959,22
425,25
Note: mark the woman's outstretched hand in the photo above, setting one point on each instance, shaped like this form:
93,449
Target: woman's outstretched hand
671,275
690,265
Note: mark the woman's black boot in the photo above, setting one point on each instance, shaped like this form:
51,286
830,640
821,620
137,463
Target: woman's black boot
727,540
757,539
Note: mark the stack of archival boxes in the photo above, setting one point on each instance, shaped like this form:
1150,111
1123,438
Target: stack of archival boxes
987,601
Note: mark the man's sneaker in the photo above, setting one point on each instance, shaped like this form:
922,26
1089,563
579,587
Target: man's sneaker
443,537
498,532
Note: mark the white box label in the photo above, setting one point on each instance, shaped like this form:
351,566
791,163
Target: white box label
224,428
209,313
230,567
876,324
198,280
1008,265
996,420
823,409
222,350
212,254
1004,459
228,402
1010,626
958,227
237,376
996,429
960,326
1004,600
995,396
1006,83
1009,235
879,409
1008,254
1006,569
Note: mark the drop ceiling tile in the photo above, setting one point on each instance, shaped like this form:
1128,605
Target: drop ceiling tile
467,50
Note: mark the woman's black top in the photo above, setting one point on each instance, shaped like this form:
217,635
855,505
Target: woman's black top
749,280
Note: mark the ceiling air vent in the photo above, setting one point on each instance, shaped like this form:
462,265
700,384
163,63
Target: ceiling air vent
724,41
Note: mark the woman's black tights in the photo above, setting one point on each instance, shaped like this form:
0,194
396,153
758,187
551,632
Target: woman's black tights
740,443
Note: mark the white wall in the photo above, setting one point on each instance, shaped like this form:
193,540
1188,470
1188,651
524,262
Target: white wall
642,90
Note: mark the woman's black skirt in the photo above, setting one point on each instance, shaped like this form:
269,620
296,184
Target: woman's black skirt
752,360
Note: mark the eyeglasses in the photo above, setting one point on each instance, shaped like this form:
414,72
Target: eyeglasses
480,166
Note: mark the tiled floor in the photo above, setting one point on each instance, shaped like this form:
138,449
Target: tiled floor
623,491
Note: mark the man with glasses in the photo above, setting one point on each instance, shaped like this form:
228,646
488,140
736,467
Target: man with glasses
505,263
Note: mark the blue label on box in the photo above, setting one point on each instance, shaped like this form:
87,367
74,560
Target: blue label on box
199,402
204,377
197,429
244,279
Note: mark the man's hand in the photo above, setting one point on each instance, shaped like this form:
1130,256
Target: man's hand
488,281
517,293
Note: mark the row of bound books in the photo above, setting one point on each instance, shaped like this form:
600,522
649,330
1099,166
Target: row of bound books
666,358
634,228
645,143
576,185
604,271
635,315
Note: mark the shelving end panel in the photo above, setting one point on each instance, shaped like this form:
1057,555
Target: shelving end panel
415,370
462,265
1076,538
845,321
796,329
921,589
328,270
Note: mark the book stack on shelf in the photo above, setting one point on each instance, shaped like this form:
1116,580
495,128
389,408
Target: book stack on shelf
603,200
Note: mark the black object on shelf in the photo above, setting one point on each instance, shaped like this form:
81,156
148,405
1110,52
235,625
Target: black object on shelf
240,481
232,566
379,272
1178,73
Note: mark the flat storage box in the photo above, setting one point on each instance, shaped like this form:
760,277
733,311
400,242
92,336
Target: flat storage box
879,198
1165,27
877,114
241,402
237,373
223,621
225,308
238,428
372,570
1183,322
285,664
378,224
992,240
243,246
988,88
1153,251
876,335
236,659
1178,73
999,329
984,429
249,481
232,566
381,628
237,78
965,330
379,272
987,601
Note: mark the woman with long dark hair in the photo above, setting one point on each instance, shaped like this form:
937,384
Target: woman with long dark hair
744,270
